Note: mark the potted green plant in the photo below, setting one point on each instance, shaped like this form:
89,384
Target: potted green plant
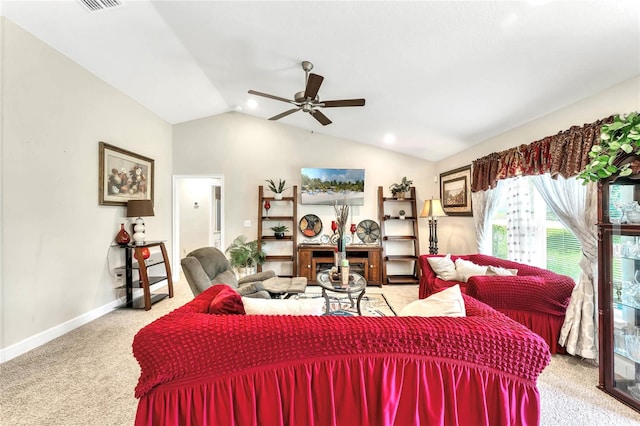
279,230
401,214
400,189
244,255
277,189
611,155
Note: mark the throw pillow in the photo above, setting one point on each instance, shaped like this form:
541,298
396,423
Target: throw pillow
284,306
226,301
444,267
447,303
497,270
466,269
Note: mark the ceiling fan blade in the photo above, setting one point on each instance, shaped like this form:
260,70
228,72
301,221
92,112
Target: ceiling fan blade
313,85
266,95
284,114
342,103
320,117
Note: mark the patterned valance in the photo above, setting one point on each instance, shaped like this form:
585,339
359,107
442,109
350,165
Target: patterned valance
566,154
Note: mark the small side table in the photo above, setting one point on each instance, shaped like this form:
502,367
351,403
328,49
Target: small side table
357,285
146,281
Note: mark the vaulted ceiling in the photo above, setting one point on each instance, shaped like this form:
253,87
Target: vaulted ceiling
439,76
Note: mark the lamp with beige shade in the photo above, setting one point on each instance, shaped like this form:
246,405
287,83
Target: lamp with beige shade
432,210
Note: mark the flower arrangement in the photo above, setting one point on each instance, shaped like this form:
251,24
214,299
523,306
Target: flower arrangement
342,216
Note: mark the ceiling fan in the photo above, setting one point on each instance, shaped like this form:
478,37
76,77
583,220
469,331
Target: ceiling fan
308,100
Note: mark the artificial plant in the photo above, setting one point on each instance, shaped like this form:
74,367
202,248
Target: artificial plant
621,137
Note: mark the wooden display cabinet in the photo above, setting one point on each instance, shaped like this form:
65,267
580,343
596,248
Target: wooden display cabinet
619,288
363,259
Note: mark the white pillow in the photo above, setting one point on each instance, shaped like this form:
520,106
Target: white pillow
447,303
497,270
466,269
444,267
254,306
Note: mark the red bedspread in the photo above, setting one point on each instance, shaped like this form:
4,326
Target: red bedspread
237,369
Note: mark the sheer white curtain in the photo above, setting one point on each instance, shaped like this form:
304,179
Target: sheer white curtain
576,207
485,203
521,226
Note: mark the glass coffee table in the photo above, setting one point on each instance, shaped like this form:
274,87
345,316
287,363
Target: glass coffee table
357,286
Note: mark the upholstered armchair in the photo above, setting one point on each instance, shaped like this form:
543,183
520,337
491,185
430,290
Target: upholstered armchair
207,266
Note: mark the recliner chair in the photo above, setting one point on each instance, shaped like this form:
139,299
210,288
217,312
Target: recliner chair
207,266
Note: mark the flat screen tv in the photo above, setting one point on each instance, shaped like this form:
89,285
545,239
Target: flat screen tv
332,186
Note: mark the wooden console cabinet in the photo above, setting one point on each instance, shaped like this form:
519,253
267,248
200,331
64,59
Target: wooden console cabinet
363,259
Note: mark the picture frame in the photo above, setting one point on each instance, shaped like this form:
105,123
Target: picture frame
455,192
326,186
123,175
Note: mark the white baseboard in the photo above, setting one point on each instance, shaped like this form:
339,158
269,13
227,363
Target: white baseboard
43,337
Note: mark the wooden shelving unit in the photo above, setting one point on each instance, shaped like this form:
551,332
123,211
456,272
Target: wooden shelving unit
266,221
400,249
145,280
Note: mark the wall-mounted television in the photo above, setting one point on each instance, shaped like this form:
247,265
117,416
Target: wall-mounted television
332,186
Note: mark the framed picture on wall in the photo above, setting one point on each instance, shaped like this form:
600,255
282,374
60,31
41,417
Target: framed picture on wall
331,186
455,192
123,176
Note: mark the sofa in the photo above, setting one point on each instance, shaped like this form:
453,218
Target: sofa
535,297
232,369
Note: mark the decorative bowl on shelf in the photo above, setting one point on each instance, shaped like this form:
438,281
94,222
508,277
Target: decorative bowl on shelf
630,211
633,216
632,344
634,391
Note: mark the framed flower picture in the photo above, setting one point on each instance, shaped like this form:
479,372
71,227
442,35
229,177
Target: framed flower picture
123,176
455,192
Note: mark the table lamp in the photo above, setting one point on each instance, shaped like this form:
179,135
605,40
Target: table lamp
432,209
139,208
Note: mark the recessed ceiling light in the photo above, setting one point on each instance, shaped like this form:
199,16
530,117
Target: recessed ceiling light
252,104
389,139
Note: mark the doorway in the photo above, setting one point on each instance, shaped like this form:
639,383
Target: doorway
198,215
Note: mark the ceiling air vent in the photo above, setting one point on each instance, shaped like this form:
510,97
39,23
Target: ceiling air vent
100,5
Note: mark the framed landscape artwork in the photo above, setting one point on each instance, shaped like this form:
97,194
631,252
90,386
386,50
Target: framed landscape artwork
123,176
331,186
455,192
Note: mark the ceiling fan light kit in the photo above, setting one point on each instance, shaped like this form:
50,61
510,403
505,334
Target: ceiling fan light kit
308,99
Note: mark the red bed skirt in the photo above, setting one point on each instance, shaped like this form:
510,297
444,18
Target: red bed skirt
414,391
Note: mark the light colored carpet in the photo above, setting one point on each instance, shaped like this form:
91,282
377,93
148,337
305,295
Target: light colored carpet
87,376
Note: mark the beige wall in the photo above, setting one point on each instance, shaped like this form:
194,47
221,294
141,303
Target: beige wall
248,150
55,237
457,234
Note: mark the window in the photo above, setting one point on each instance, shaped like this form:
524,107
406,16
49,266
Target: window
525,230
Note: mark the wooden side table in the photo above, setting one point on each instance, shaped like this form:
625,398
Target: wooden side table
143,266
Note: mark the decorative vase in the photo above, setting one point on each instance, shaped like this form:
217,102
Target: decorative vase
145,252
267,206
123,236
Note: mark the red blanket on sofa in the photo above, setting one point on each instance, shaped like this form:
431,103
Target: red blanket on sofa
198,368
